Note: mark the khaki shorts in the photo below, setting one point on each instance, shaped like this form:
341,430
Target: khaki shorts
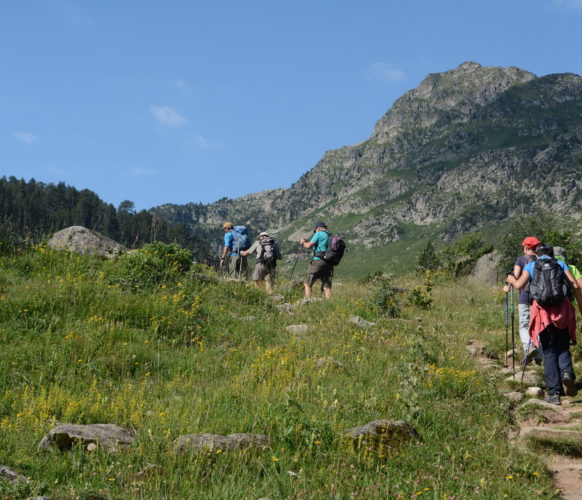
320,270
238,267
262,271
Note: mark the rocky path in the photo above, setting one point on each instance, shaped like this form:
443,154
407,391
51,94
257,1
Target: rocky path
555,430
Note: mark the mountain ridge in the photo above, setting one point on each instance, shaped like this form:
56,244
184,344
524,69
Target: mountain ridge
467,148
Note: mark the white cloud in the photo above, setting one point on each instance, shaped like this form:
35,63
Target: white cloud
199,142
181,86
168,116
25,137
569,4
139,172
385,72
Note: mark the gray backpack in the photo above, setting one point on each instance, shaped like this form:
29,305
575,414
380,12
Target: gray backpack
548,285
268,251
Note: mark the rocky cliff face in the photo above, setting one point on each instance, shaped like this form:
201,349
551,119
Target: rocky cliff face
467,148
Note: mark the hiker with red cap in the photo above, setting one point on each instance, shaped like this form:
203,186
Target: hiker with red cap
553,320
529,245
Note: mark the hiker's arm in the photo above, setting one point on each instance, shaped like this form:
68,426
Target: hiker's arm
307,244
225,251
575,287
518,284
516,273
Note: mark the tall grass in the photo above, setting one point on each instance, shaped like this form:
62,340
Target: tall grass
89,341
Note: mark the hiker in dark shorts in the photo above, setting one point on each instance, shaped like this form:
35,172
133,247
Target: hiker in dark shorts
319,269
552,325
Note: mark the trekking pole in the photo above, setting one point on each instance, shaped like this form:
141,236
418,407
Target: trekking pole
506,324
296,260
512,332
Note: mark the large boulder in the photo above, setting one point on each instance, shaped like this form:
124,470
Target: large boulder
85,241
11,475
485,270
108,436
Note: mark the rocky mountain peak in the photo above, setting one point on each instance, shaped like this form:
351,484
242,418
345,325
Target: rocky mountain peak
451,96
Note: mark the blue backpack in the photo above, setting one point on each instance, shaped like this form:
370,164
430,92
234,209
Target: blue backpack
241,239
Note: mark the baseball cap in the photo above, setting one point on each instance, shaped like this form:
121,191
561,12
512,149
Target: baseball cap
530,242
320,224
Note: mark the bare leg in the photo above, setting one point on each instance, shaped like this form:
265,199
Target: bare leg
308,291
327,293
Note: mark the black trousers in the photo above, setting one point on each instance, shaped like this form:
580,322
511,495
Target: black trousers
555,344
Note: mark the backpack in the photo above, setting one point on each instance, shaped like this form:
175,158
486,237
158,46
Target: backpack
335,250
241,239
268,251
548,285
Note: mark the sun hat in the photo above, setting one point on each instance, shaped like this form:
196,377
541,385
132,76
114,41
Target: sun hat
227,225
530,242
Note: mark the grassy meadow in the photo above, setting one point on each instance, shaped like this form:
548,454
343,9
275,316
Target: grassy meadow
153,345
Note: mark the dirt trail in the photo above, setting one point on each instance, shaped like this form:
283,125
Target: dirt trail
555,429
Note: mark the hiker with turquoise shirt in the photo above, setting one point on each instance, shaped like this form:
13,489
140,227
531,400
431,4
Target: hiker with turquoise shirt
319,268
552,319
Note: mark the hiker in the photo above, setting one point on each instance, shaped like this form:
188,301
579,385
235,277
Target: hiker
319,269
237,264
529,245
560,254
268,254
552,319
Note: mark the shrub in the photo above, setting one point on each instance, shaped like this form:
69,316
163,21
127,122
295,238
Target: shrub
422,296
384,295
152,265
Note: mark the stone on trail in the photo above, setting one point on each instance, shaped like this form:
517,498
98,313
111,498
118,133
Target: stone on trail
215,442
529,378
510,354
108,436
361,322
249,318
278,297
85,241
297,329
534,392
538,403
475,347
305,301
564,441
513,396
11,475
381,437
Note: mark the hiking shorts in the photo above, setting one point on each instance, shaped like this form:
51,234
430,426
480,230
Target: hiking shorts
238,267
319,270
262,271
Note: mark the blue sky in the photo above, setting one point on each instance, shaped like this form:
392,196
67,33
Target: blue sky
176,101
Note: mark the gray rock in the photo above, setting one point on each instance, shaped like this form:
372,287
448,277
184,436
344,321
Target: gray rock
297,329
381,437
214,442
513,396
278,297
538,403
476,347
108,436
39,498
285,308
85,241
361,322
485,270
249,318
534,392
9,474
529,378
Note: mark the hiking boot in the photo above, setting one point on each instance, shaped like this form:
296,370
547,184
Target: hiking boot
531,355
553,399
569,384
